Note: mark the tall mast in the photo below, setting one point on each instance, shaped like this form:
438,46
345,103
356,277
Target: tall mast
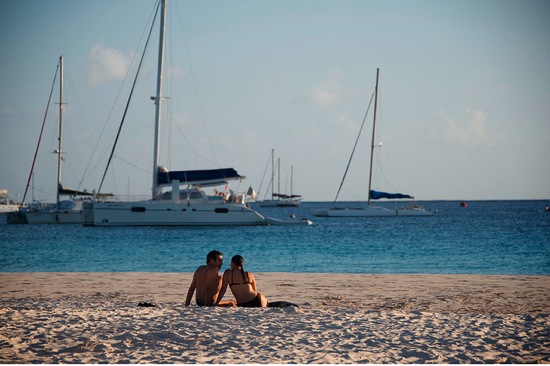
373,132
60,141
158,99
291,179
272,172
278,176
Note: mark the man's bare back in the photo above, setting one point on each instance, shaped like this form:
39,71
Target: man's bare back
207,283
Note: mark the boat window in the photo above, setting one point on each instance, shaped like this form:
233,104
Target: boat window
221,210
192,195
138,209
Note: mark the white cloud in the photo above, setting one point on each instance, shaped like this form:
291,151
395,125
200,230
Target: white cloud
471,131
106,65
326,92
323,97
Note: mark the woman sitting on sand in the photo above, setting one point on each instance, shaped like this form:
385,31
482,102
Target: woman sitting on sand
242,285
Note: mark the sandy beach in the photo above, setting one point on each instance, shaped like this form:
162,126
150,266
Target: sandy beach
94,318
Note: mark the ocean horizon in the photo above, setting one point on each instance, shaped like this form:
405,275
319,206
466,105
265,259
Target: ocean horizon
491,237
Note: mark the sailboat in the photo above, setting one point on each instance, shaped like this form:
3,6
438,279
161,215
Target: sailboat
66,211
5,204
371,210
190,206
279,199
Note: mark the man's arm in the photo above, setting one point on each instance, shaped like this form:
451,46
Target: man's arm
191,291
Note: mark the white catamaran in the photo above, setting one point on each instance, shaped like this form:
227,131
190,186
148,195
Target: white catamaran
373,211
187,206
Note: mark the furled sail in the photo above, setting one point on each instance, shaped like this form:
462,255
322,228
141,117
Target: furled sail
73,192
209,177
376,195
286,196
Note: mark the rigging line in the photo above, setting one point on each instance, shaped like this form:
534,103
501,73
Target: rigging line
132,164
353,151
271,181
85,174
128,102
79,111
40,137
196,91
263,176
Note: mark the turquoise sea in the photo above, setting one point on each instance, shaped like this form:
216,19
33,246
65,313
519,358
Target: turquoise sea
487,237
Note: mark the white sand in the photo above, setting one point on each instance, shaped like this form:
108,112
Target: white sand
94,318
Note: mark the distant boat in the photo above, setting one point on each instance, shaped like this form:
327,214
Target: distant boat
373,211
64,211
463,204
5,204
280,199
190,206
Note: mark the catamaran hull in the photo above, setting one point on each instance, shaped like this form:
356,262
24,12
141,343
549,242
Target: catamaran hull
371,212
166,213
54,217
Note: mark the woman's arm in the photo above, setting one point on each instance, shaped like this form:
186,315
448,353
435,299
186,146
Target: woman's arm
223,289
252,281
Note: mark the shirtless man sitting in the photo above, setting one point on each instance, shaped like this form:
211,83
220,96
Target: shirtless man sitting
208,282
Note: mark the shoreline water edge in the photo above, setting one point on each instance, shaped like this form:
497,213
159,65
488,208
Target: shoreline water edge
93,317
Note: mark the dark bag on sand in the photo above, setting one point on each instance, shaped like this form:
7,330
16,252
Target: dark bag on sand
147,304
281,304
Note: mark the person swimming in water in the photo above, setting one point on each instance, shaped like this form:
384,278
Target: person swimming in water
242,285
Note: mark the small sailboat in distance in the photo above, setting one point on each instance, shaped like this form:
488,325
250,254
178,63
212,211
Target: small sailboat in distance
280,199
64,211
371,210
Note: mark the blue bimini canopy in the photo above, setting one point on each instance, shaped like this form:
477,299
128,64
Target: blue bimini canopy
210,177
375,195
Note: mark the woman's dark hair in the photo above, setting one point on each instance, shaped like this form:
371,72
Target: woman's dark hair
239,261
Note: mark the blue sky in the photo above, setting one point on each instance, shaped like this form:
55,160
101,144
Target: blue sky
464,94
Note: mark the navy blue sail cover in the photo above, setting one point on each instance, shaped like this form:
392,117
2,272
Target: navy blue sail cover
198,177
375,195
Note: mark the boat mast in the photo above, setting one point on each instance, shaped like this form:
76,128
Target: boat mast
272,172
291,179
59,151
373,132
158,99
278,177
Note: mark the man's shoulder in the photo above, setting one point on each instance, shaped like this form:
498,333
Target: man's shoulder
201,268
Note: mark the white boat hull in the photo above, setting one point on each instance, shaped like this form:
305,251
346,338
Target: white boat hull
8,207
63,217
69,212
371,211
414,212
168,213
